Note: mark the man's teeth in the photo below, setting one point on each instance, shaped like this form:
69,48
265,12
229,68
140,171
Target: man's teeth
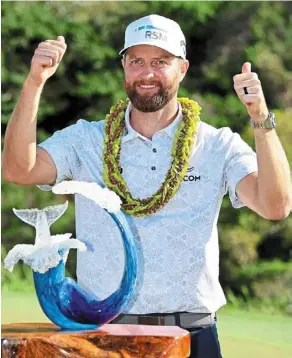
147,86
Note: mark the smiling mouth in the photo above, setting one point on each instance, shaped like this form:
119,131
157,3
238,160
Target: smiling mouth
147,87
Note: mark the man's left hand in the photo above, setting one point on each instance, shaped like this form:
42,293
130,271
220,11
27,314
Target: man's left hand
249,90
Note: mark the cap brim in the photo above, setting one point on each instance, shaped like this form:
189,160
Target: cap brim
125,49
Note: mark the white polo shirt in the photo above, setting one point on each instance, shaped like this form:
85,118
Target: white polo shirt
178,246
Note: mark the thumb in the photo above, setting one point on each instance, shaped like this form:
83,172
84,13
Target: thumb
246,67
61,38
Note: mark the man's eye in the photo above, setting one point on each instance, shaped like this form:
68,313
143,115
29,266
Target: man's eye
136,62
161,62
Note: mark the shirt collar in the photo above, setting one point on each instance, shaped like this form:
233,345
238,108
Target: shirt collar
130,132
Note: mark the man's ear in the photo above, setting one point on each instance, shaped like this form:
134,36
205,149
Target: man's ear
123,60
184,66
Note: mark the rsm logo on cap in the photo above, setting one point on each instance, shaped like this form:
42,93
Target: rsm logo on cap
150,32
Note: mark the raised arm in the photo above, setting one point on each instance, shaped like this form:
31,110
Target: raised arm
22,162
267,192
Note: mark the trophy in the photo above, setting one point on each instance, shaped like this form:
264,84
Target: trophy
60,297
67,305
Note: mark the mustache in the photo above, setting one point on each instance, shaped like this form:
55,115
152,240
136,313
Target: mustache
147,83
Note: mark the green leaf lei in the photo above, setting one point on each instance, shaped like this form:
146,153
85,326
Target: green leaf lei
181,151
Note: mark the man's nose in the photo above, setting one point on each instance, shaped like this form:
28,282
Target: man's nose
147,73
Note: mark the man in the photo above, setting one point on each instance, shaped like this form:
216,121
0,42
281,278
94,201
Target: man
158,151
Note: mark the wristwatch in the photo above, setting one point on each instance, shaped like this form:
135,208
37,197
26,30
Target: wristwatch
268,123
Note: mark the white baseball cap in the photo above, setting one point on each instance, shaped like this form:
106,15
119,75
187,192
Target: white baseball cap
157,31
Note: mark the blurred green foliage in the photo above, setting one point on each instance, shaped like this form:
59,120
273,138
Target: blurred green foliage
20,280
221,36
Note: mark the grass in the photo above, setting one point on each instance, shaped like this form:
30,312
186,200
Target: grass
21,307
242,334
254,335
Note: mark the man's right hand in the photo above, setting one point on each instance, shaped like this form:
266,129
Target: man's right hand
23,162
46,60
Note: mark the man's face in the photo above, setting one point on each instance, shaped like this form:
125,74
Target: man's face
152,76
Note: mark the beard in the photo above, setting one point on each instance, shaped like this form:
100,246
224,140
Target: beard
151,103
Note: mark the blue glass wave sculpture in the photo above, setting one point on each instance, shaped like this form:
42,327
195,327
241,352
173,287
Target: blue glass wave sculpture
60,297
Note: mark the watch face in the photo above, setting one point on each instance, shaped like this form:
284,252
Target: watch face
272,120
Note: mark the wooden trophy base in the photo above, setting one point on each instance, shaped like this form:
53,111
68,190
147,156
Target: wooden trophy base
45,340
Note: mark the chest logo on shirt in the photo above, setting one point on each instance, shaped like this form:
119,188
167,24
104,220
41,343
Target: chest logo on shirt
190,177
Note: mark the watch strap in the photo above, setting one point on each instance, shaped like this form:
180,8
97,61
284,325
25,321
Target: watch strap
268,123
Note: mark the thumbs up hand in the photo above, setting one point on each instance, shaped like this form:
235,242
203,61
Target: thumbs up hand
46,59
249,90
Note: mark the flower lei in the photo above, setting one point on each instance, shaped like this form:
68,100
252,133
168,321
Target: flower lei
183,142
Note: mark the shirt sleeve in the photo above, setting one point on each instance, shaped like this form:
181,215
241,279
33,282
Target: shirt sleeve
240,161
62,148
